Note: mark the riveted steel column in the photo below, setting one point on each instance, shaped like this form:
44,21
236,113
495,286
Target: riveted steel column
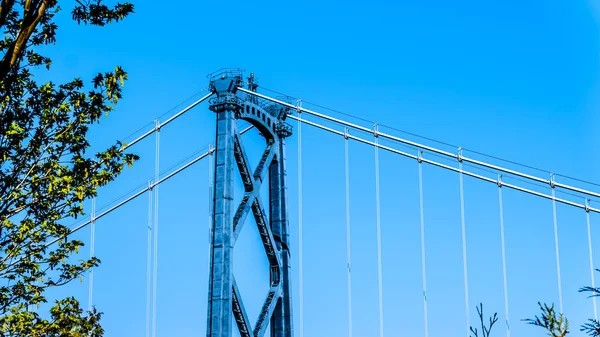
281,322
220,282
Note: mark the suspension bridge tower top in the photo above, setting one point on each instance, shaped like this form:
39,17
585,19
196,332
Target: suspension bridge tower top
269,118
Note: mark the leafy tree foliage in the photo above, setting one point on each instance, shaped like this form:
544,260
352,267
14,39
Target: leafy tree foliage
555,324
45,171
592,327
558,325
485,329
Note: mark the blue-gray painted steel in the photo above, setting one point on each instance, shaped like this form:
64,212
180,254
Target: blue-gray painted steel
225,301
220,283
281,322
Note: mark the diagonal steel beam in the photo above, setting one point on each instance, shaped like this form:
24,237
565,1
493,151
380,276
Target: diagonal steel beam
267,310
265,233
252,183
242,212
239,312
265,162
243,163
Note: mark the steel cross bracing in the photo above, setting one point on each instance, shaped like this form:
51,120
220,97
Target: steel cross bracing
225,300
252,201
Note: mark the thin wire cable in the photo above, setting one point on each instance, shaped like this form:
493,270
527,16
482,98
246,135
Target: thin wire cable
516,178
364,120
434,140
92,239
506,177
507,161
429,148
74,228
560,298
464,247
348,235
500,204
589,233
182,103
124,139
155,256
149,261
379,263
300,276
137,188
210,205
423,269
449,168
577,179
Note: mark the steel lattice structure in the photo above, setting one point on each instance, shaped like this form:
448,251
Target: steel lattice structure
225,301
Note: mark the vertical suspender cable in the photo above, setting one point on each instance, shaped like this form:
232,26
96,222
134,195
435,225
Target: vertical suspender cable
92,234
149,261
348,236
464,243
378,205
506,321
300,276
589,233
422,216
155,257
210,203
560,299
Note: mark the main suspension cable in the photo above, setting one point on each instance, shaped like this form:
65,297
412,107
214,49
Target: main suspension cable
500,205
448,167
464,246
425,147
423,269
378,209
158,126
348,236
431,139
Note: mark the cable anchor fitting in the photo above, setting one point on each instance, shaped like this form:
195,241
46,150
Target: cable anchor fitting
375,131
587,205
156,125
420,156
499,181
552,181
299,106
459,155
346,133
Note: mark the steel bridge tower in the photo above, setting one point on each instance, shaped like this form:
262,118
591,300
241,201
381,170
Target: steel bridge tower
224,298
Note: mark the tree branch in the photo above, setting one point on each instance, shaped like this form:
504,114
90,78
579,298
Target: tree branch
15,51
5,8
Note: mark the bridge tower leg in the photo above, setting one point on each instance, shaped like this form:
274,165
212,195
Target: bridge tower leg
221,252
281,322
225,304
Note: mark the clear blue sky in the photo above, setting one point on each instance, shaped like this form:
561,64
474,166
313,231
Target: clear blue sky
515,79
